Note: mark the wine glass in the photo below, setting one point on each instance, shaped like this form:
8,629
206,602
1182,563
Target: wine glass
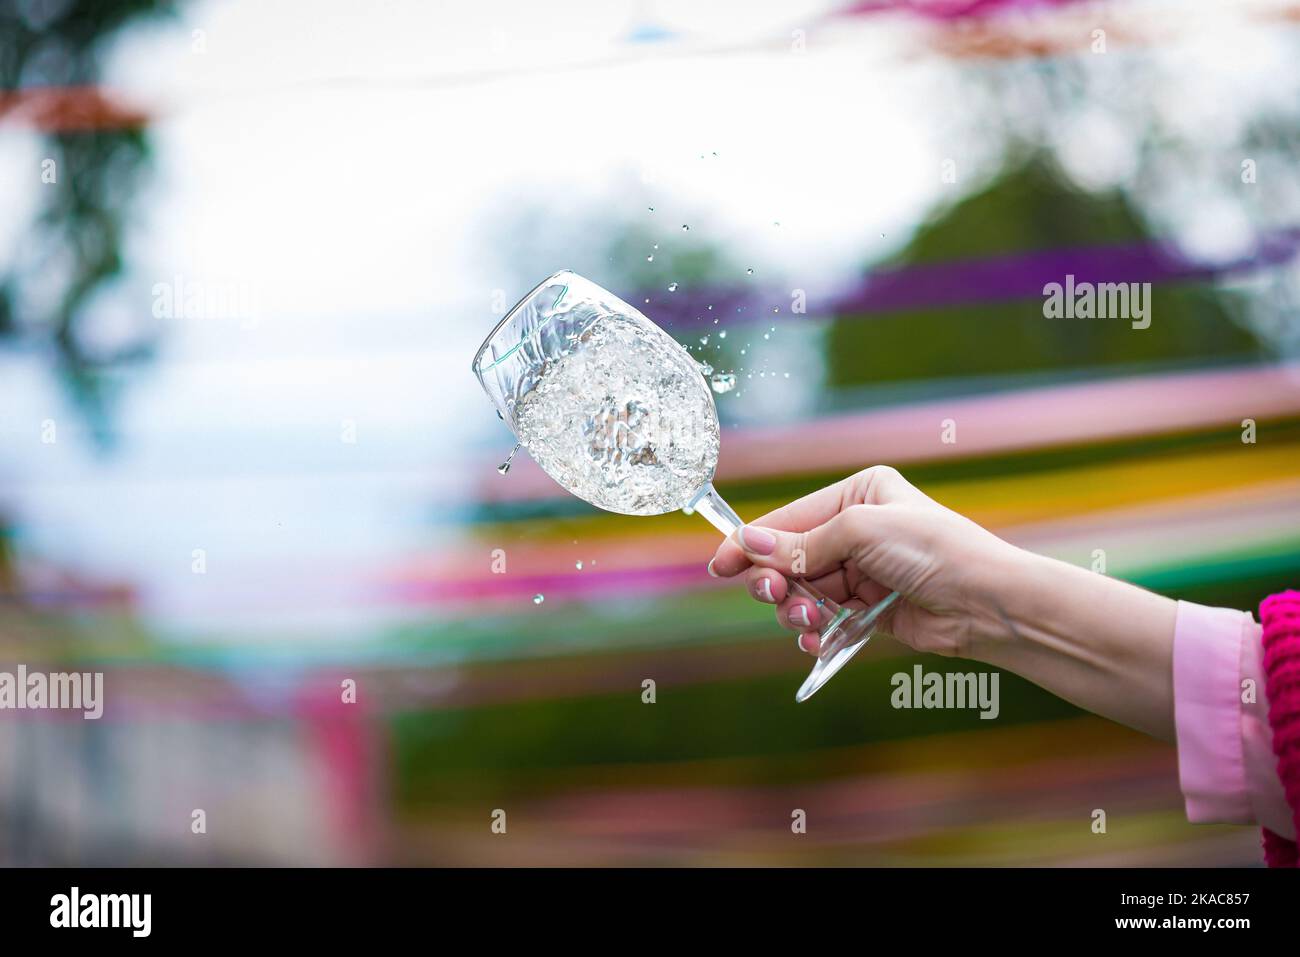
619,414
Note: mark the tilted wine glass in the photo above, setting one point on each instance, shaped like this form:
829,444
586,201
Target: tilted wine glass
617,412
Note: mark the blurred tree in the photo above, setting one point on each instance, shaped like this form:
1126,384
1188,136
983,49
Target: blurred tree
50,64
1029,208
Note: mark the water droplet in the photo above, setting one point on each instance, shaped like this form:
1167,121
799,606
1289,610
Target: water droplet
787,375
706,369
650,258
749,272
722,334
710,307
578,564
767,335
685,228
504,467
723,382
704,340
742,352
647,301
776,223
672,287
651,208
538,598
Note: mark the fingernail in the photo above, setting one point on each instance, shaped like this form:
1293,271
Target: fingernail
799,615
710,569
757,540
764,590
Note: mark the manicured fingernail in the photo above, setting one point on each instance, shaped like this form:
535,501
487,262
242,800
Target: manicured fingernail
763,589
710,569
799,615
808,641
758,540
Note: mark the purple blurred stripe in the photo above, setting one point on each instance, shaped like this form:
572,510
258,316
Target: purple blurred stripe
970,281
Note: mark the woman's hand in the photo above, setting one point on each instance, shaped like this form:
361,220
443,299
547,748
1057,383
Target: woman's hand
1095,641
860,539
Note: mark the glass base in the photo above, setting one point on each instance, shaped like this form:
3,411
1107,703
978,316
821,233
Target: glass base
841,639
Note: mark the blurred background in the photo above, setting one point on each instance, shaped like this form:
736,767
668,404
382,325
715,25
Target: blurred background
249,248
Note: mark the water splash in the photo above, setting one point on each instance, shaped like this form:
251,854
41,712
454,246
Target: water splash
504,467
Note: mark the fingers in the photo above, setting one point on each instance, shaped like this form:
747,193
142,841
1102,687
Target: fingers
803,513
882,485
766,585
878,485
816,552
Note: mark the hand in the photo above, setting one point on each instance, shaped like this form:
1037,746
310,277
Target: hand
1100,643
860,539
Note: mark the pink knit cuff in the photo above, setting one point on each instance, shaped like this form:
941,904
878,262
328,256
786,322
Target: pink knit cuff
1280,616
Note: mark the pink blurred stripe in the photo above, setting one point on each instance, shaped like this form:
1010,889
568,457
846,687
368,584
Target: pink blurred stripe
1045,417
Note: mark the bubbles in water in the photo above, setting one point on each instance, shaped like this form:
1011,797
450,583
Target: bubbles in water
767,335
672,287
722,334
704,340
685,228
749,272
650,258
538,598
651,208
706,369
578,564
723,382
787,375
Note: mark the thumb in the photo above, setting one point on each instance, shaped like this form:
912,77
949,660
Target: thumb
817,551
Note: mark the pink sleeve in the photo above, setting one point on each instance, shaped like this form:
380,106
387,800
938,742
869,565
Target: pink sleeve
1226,766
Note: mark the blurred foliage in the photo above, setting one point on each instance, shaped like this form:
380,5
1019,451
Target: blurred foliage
75,245
1028,208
